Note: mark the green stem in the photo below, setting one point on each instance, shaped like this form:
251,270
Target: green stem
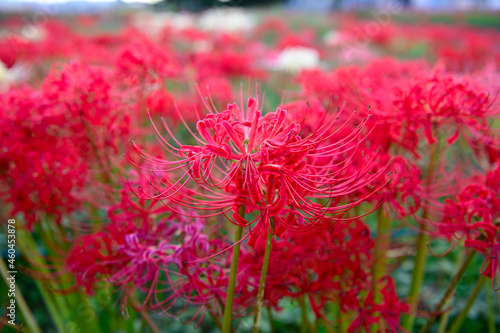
334,309
315,325
491,310
262,283
228,307
445,317
331,326
457,324
342,326
421,252
144,314
271,319
129,323
142,328
48,234
215,319
305,326
497,280
221,305
416,281
21,302
26,244
450,290
379,268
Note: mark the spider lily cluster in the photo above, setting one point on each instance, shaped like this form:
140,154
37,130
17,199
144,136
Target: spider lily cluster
132,157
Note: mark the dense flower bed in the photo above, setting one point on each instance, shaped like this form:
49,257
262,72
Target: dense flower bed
133,155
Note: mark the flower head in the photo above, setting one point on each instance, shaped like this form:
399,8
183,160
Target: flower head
284,180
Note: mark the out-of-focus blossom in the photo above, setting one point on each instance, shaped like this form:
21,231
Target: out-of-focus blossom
14,74
408,100
333,38
34,33
226,20
41,169
3,71
154,23
297,58
144,61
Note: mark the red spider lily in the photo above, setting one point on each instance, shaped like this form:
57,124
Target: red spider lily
90,250
385,315
471,53
445,99
159,100
321,264
377,86
271,26
474,214
404,193
219,88
84,91
41,169
145,62
103,256
143,251
135,253
408,100
305,38
15,50
477,202
245,158
66,134
93,112
225,62
489,246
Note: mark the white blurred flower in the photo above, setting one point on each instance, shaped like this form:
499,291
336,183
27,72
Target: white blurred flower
33,33
297,58
4,72
154,23
179,21
17,73
226,20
